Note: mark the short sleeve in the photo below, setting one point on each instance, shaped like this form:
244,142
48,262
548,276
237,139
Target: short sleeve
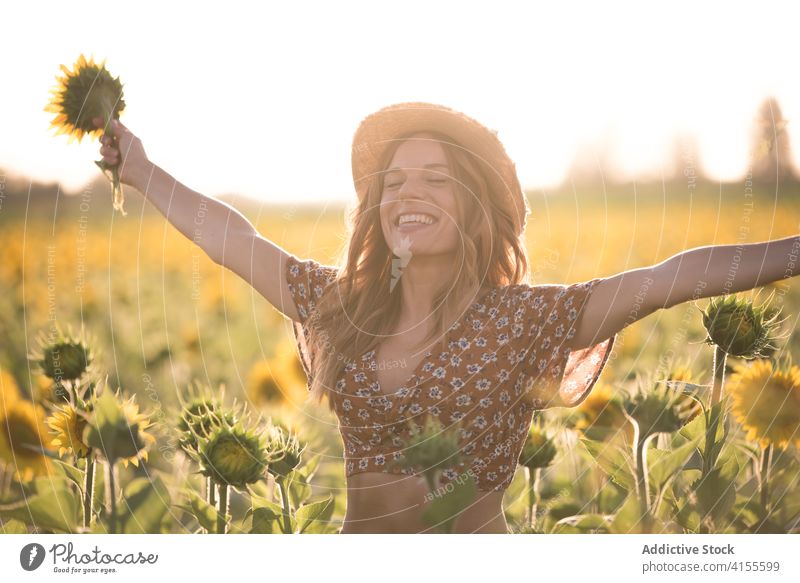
559,375
307,281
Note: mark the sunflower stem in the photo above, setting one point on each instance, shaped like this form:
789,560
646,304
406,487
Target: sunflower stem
534,476
111,498
430,479
642,487
222,513
529,505
88,492
211,492
5,481
287,522
766,462
720,356
116,186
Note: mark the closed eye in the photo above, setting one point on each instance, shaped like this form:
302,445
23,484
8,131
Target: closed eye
431,180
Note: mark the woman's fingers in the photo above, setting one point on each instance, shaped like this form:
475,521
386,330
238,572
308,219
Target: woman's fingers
116,126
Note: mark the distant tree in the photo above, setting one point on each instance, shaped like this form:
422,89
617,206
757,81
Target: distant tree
684,166
771,155
591,164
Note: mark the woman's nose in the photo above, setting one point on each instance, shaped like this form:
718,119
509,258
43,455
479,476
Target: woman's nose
410,188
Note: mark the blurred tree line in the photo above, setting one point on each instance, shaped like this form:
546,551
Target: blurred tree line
770,165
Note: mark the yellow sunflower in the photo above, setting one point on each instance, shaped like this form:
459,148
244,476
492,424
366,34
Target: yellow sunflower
117,430
600,415
262,387
23,437
134,418
684,374
82,94
767,401
286,356
67,425
9,391
278,380
86,92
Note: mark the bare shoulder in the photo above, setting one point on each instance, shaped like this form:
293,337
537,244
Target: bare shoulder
614,303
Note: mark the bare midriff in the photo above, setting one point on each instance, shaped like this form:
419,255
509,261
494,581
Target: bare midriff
391,503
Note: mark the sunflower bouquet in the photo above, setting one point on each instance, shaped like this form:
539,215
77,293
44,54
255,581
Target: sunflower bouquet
86,92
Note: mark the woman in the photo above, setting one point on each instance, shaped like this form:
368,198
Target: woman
431,317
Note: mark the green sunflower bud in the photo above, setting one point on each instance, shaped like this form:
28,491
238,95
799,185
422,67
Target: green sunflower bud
198,418
538,451
64,357
234,455
740,328
658,410
287,449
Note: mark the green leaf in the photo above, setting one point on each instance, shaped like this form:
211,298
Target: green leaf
267,516
76,475
310,467
716,492
13,526
628,519
613,460
261,502
102,432
664,464
717,413
442,511
687,515
205,513
314,513
299,489
146,500
53,506
586,522
265,521
259,488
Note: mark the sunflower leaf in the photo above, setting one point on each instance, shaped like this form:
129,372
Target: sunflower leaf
13,526
146,500
72,473
586,522
316,514
53,507
205,513
628,519
664,464
612,460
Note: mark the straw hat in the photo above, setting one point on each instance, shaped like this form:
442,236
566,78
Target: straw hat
377,131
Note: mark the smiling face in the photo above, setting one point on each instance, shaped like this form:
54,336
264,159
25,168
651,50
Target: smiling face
418,203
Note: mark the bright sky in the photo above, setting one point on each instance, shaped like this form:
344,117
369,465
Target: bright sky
263,99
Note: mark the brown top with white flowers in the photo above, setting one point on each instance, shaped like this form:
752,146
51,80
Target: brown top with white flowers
508,354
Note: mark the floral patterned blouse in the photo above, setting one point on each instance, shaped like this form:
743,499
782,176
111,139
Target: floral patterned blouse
508,354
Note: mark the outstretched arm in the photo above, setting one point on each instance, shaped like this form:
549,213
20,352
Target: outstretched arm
226,236
621,300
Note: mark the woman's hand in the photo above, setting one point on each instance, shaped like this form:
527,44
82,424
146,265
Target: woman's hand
126,152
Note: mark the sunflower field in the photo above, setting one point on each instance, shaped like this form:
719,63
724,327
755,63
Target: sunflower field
145,389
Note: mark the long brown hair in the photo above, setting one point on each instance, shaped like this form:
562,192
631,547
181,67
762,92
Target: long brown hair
359,308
